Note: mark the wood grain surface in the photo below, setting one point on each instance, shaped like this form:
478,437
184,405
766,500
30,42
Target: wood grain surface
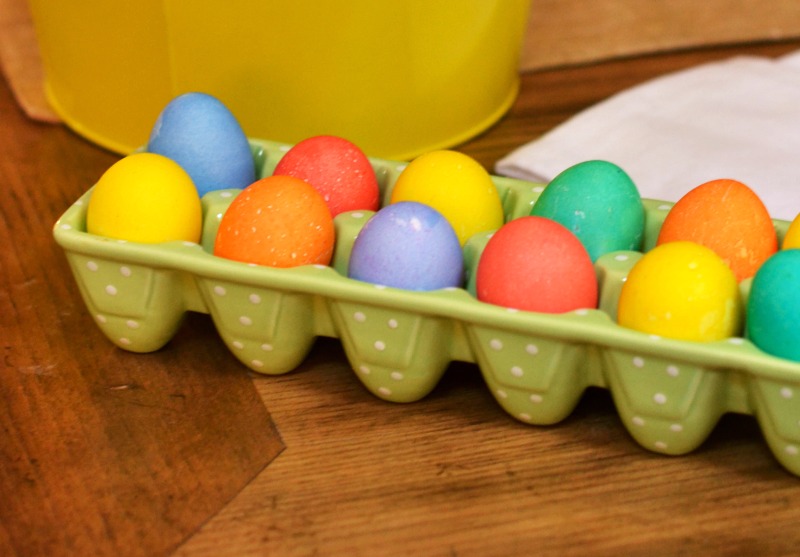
102,452
105,452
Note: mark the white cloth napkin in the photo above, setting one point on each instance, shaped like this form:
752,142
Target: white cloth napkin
738,118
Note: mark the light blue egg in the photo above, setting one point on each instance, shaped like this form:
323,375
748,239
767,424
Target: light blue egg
599,203
773,306
197,131
408,245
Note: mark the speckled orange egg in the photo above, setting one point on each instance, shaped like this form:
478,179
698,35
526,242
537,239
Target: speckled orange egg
727,217
278,221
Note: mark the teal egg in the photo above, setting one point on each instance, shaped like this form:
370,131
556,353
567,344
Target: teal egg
773,306
599,203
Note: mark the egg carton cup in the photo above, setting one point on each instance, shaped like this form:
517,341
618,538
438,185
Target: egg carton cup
669,394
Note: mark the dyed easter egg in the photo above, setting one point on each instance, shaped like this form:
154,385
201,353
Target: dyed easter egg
727,217
773,306
792,238
278,221
457,186
337,169
536,264
407,245
599,203
145,198
681,290
199,132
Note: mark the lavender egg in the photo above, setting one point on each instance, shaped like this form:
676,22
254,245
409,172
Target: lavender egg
408,245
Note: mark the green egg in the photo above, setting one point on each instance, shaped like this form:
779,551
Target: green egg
773,306
599,203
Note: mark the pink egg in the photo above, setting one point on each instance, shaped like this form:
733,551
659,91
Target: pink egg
536,264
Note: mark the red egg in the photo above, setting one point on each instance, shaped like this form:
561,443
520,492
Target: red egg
337,169
278,221
536,264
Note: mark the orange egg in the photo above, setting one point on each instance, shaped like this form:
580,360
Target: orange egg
727,217
278,221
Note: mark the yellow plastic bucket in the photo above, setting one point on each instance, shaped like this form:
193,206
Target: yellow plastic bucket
397,77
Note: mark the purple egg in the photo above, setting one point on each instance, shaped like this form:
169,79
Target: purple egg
408,245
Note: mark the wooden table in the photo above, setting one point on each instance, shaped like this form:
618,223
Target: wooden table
184,452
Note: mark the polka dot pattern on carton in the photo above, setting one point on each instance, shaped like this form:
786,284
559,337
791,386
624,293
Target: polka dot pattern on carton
668,393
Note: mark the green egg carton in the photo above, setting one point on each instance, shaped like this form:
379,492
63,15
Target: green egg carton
669,394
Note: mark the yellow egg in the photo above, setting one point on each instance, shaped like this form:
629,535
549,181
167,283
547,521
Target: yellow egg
792,238
457,186
146,198
681,290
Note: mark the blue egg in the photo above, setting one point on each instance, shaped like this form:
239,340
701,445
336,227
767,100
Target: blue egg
198,132
599,203
773,306
408,245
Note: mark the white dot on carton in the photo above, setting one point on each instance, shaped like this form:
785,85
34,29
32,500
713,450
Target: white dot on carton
638,421
132,324
92,266
360,316
364,369
219,290
384,391
660,398
111,290
392,323
254,298
238,344
660,445
496,344
125,271
125,341
266,347
786,392
257,363
673,370
501,393
677,428
638,361
397,376
516,371
532,349
246,321
379,345
536,398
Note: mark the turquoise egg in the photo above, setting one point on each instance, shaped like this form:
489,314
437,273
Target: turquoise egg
773,306
599,203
